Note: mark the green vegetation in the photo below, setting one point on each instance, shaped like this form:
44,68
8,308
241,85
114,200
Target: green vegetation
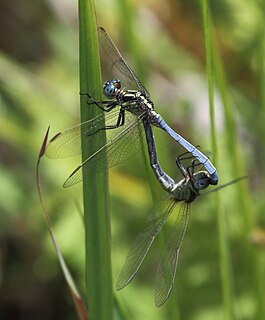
204,68
95,186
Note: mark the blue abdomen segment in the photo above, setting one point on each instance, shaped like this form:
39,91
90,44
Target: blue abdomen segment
190,148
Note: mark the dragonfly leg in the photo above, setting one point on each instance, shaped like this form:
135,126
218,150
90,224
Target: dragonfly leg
184,156
120,121
191,168
105,105
181,167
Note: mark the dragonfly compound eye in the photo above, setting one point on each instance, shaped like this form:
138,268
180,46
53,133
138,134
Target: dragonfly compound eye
109,89
201,180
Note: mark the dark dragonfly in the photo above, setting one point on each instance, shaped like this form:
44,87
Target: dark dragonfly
127,112
180,194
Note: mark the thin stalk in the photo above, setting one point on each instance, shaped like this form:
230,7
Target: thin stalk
231,141
127,21
243,196
261,58
127,18
258,261
95,186
225,263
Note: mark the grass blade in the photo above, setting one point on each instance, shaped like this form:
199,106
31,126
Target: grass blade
225,261
95,187
243,195
77,299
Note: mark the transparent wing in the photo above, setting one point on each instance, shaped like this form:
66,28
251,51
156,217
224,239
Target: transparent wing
120,146
167,267
68,143
119,69
143,243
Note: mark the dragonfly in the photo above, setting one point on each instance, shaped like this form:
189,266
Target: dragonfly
126,114
181,194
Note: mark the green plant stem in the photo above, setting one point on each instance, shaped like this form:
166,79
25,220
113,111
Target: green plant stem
243,195
225,263
261,58
95,186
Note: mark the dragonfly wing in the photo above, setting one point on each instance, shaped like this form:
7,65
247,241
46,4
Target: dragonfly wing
122,143
68,143
142,245
119,68
167,267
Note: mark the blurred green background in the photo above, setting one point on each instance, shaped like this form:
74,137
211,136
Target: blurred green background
163,42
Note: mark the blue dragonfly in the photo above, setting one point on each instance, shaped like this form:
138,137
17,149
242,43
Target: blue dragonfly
127,113
180,195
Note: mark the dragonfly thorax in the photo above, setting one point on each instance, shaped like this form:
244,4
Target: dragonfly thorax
188,189
184,191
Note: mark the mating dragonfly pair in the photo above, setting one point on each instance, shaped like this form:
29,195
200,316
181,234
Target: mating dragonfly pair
128,114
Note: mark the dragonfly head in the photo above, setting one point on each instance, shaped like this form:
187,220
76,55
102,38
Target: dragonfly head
201,180
110,88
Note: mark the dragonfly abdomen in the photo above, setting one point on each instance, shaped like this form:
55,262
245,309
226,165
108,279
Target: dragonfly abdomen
160,122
